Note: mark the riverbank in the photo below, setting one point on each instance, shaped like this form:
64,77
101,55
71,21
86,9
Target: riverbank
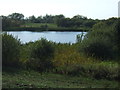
17,78
38,27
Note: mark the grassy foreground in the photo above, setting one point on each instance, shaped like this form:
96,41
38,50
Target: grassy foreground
32,79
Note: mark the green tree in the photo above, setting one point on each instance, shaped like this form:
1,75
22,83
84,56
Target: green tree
16,16
89,23
32,19
5,22
10,23
57,18
40,19
48,19
64,22
77,17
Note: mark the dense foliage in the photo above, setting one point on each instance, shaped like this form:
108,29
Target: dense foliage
13,20
41,53
117,27
16,20
10,51
101,41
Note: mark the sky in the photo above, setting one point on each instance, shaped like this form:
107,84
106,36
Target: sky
95,9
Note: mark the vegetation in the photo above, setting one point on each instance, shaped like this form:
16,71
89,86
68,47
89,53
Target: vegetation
12,20
99,43
10,51
69,61
16,22
91,62
31,79
41,54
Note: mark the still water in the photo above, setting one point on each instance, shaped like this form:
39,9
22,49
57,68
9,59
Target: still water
62,37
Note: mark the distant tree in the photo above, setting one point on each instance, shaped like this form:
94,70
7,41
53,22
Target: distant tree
16,16
40,19
110,21
89,23
78,20
48,19
9,22
32,19
79,17
5,22
57,18
68,22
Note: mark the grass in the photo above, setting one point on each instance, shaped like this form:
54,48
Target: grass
38,27
32,79
53,26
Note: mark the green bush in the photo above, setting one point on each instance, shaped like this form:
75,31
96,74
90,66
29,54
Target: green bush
100,42
104,70
10,50
101,70
98,48
117,28
41,53
25,53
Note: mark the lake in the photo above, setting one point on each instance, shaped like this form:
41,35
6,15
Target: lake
62,37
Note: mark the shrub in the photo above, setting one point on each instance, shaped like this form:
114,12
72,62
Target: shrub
10,50
41,54
98,48
104,70
117,28
98,42
25,53
98,70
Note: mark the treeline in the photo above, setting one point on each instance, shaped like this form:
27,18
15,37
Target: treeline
62,21
12,20
77,21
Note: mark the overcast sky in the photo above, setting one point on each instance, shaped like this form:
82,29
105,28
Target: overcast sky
95,9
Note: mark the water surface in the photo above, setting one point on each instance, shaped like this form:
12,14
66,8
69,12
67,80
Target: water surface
62,37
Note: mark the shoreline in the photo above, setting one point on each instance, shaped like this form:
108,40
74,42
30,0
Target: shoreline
36,29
